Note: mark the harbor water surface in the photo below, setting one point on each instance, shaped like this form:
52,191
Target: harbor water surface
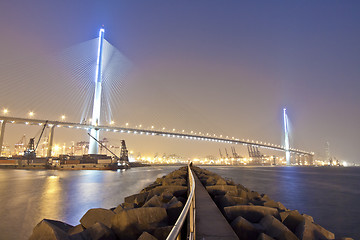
330,195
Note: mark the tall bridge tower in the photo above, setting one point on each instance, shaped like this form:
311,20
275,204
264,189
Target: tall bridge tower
93,146
287,143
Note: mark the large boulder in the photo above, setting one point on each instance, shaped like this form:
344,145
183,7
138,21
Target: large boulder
139,199
124,206
181,173
308,230
221,181
166,196
227,200
153,202
161,233
274,228
77,229
244,229
95,215
97,231
173,209
50,230
177,191
131,223
174,181
222,190
251,213
294,219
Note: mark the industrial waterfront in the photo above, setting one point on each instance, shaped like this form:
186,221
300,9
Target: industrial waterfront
330,195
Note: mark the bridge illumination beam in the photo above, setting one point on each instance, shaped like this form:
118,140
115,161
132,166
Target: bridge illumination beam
287,143
93,145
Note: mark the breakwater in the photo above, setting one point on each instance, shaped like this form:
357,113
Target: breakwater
218,187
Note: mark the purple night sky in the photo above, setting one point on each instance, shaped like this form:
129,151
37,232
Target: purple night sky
226,67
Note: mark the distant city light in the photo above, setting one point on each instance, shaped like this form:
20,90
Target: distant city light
5,111
63,117
31,113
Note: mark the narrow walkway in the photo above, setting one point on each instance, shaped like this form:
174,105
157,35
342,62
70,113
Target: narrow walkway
210,223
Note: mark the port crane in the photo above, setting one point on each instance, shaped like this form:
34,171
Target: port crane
124,152
30,152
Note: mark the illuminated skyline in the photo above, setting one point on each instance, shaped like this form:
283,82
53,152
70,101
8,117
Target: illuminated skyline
204,66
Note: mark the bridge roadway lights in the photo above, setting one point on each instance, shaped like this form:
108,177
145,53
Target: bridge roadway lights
2,135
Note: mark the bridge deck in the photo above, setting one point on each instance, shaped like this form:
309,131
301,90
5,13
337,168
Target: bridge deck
210,223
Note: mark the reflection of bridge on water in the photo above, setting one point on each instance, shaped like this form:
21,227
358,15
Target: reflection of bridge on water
95,127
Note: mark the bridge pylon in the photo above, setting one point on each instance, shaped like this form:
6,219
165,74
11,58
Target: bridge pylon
95,121
287,143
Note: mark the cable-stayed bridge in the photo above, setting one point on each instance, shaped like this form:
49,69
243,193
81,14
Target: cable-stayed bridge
96,125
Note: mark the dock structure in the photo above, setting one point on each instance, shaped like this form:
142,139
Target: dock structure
210,223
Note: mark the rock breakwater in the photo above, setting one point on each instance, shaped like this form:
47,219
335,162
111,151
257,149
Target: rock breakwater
257,216
149,214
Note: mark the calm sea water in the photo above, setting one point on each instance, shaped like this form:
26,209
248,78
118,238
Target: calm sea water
330,195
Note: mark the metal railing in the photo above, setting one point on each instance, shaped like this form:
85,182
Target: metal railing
188,211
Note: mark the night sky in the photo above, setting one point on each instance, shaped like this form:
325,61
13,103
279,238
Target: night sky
223,67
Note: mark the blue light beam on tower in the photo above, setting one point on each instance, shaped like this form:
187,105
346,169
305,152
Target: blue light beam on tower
93,145
287,143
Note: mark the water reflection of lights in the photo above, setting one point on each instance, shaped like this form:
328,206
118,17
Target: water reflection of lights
51,196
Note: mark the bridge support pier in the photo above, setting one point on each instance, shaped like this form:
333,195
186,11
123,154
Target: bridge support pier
2,133
51,140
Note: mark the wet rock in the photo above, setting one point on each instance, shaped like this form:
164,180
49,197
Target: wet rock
139,199
50,230
274,228
131,223
161,233
308,230
251,213
244,229
95,215
153,202
146,236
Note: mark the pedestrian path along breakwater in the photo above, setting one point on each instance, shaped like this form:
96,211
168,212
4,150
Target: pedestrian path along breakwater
152,213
